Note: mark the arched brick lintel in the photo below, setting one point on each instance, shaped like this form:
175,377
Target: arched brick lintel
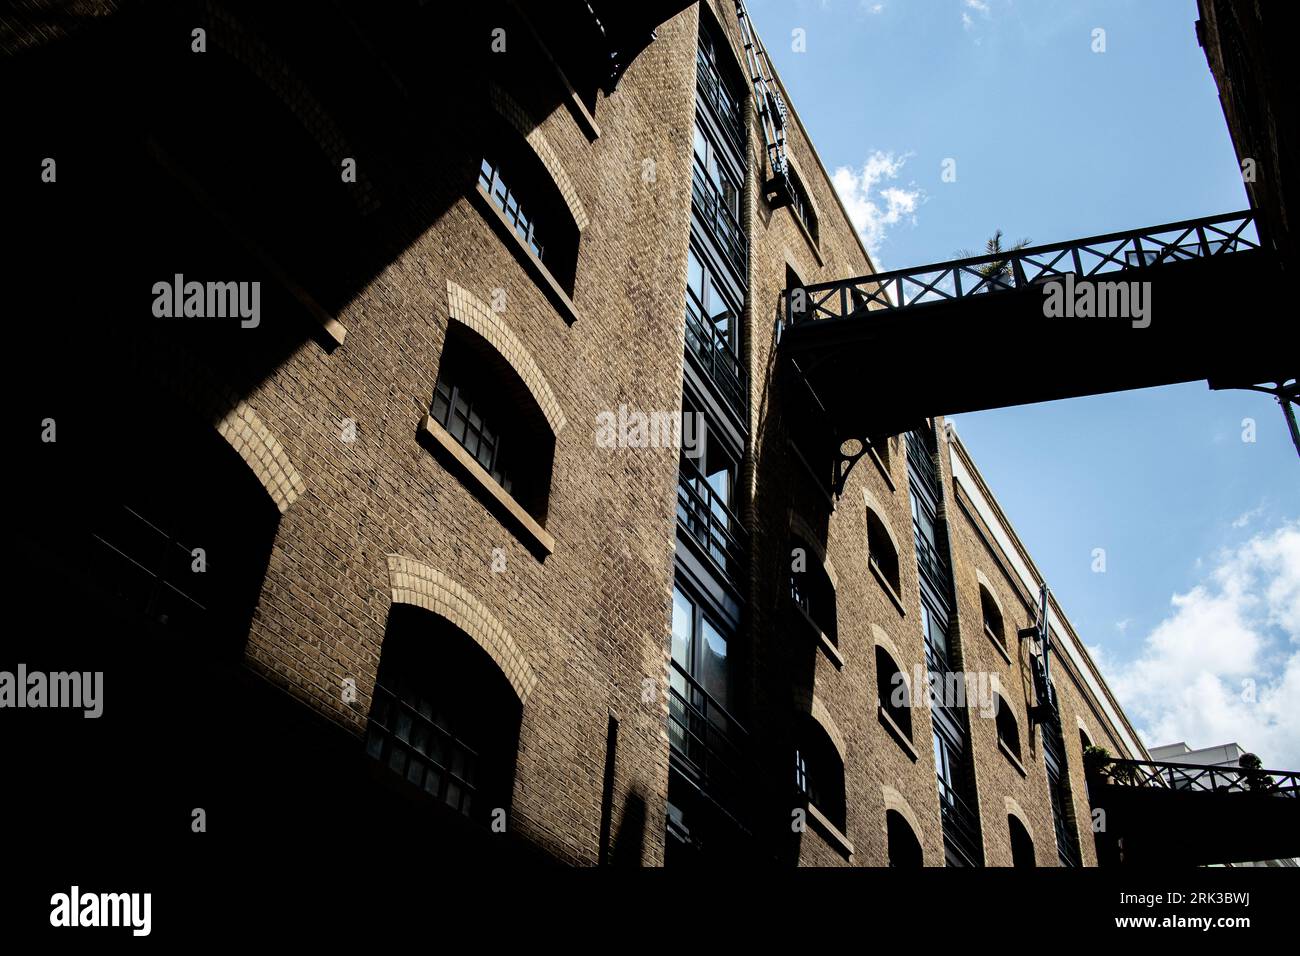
898,803
415,583
466,308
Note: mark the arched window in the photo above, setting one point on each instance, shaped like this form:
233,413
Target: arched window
443,716
992,617
1008,730
881,552
811,588
819,772
517,183
1022,844
892,691
480,400
904,847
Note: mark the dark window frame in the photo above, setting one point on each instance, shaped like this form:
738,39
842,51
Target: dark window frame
813,591
1022,844
801,206
531,205
1008,728
882,553
819,772
445,709
994,625
903,845
522,457
506,199
472,431
886,668
725,90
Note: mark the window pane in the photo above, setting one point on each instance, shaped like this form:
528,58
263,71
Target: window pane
719,479
694,276
713,664
683,616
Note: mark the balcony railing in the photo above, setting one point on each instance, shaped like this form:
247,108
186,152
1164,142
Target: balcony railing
1187,776
1114,253
713,90
703,514
960,823
715,357
709,746
707,201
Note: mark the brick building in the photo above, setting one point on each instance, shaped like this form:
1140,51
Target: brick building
395,546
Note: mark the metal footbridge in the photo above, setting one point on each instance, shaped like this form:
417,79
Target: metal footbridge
1184,301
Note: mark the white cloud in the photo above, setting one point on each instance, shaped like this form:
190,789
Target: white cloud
873,215
1224,665
979,6
1247,517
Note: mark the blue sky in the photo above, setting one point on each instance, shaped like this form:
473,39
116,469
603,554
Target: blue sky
1196,619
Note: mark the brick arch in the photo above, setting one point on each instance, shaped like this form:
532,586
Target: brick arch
869,500
262,452
1092,738
882,639
800,527
982,579
514,114
1014,810
413,582
470,311
812,705
898,803
235,420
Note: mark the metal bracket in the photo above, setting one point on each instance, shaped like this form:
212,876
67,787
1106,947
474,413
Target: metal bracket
1287,394
844,463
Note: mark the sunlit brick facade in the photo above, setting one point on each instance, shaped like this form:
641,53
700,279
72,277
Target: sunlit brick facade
440,601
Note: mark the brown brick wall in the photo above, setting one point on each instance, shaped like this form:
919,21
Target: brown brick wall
380,518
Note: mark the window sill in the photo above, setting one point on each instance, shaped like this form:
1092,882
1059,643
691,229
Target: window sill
533,534
896,732
828,830
534,266
888,588
823,641
1012,758
997,644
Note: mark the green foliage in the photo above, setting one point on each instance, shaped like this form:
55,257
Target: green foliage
998,270
1256,779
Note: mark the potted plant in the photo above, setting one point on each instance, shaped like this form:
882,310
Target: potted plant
1095,761
1256,779
996,275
